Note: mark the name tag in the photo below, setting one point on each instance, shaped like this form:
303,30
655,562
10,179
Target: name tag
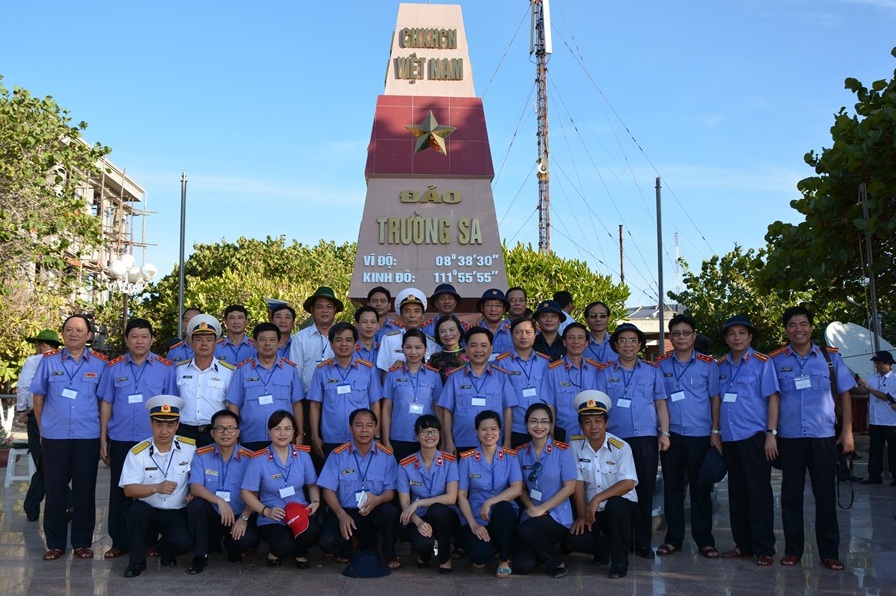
624,403
535,494
730,398
69,393
803,382
223,494
265,400
361,498
530,392
343,389
415,409
677,396
287,491
478,402
135,398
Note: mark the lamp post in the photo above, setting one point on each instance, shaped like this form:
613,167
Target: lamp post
128,279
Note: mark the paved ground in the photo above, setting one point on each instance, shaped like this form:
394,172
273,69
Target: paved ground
868,548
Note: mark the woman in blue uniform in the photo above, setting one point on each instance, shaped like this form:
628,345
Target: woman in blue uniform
490,480
549,472
427,491
276,476
410,390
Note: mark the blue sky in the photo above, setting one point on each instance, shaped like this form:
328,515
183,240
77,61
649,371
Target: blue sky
269,106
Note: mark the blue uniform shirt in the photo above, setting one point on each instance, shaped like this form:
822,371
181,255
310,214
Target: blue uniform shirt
807,406
418,482
259,392
745,388
527,378
690,386
367,354
127,386
284,352
483,481
633,393
502,341
342,391
71,406
564,381
391,325
412,395
179,351
600,352
234,354
346,473
544,476
465,395
277,483
223,478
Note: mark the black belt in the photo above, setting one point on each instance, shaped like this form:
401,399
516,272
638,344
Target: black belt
200,429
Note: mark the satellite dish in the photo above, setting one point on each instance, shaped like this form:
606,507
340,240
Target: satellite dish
856,346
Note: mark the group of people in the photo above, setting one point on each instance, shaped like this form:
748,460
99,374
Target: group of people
476,435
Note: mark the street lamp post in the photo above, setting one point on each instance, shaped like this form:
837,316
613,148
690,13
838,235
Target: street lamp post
128,279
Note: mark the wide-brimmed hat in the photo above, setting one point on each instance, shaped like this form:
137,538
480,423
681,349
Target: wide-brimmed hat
549,306
737,320
492,294
444,289
713,469
627,327
322,292
365,563
46,336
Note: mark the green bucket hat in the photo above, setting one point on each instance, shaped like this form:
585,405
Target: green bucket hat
322,292
48,336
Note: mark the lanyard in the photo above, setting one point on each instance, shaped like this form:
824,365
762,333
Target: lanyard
581,372
224,468
283,469
683,370
802,360
424,474
736,368
71,376
268,380
236,351
367,469
528,373
414,381
170,459
339,370
141,369
473,381
627,379
323,346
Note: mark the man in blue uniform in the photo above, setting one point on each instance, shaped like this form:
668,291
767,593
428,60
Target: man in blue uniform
806,437
181,350
284,317
65,406
217,510
261,386
567,377
527,371
597,318
493,306
128,382
235,346
445,299
359,480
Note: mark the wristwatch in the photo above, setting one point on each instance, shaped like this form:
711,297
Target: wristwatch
774,431
245,518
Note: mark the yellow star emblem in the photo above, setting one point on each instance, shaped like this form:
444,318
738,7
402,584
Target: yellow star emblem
430,134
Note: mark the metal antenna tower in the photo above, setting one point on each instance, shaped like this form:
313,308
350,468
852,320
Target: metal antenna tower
540,45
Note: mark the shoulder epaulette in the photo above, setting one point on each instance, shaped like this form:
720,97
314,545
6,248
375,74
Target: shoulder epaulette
52,353
498,368
305,448
397,366
524,446
384,448
832,349
427,322
139,447
593,362
615,442
326,362
182,362
509,451
545,356
778,352
448,456
366,363
288,361
721,359
555,364
706,358
204,450
561,445
244,362
259,452
665,356
164,361
187,440
408,460
226,365
220,341
176,345
116,360
760,356
653,364
430,367
99,355
396,332
397,323
604,365
502,356
342,447
246,452
467,453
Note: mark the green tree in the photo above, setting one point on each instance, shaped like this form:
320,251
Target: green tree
826,251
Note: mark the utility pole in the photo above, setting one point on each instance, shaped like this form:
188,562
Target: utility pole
621,258
875,319
540,45
659,259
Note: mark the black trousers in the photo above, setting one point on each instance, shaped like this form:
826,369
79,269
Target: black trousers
611,531
381,523
402,449
36,489
70,461
501,530
517,439
445,523
538,539
645,452
145,520
282,545
201,434
878,435
818,457
206,528
681,469
750,500
256,445
119,503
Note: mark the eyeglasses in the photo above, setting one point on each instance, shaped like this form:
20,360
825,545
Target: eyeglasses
598,315
539,421
681,333
627,340
516,300
428,432
225,429
536,470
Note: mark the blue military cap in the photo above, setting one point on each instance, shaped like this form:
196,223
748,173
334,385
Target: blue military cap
492,294
736,320
550,306
444,289
713,469
365,563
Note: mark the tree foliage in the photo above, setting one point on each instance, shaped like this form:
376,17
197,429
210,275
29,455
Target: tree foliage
826,251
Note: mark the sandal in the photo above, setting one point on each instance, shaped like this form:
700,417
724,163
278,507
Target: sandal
273,562
764,560
833,564
113,553
84,552
53,554
736,553
458,553
666,549
302,563
790,560
710,552
394,564
503,572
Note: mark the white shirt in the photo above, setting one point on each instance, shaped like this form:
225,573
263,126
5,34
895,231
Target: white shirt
203,391
390,349
309,348
879,411
601,469
569,320
24,398
145,465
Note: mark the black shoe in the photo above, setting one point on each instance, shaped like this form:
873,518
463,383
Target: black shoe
870,480
445,570
303,564
274,562
168,562
618,570
560,571
599,559
645,552
68,514
135,569
198,565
